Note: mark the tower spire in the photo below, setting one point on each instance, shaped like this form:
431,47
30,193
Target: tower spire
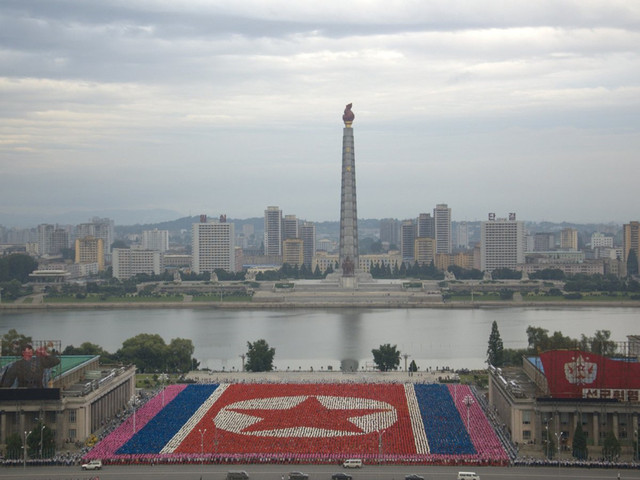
348,203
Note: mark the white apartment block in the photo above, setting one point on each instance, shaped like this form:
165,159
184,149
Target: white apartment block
442,222
569,239
213,246
502,243
308,236
155,239
601,240
273,231
128,262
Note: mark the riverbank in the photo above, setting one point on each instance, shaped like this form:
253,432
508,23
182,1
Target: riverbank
327,303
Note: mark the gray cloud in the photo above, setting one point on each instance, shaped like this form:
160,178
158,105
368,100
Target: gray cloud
236,105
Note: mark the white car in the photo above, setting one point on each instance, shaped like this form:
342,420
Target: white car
92,465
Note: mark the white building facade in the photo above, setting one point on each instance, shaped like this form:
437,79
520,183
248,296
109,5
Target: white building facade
502,243
213,246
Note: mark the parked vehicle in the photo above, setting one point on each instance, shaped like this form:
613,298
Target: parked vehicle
413,476
298,476
237,475
341,476
468,476
92,465
352,463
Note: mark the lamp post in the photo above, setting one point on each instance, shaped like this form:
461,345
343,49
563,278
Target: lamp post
41,435
468,401
547,437
380,433
24,447
133,401
558,437
637,439
202,432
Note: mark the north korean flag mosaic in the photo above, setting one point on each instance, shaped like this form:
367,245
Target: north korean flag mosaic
306,423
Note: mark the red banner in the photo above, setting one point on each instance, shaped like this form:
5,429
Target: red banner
571,373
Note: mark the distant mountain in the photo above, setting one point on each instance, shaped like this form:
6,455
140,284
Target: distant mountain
120,217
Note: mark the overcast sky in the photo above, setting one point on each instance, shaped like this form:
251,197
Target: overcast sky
205,106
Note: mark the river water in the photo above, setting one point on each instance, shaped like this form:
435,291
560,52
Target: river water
319,339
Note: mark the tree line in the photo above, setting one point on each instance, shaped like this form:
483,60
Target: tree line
148,352
539,340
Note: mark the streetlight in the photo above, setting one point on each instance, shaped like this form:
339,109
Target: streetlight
380,433
24,447
637,439
133,401
202,432
41,433
468,401
558,437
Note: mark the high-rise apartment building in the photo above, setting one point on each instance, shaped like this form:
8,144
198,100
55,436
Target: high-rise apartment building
45,231
425,250
308,236
290,227
128,262
600,240
631,240
442,221
155,239
426,226
213,246
90,250
544,242
390,231
99,228
407,240
502,243
569,239
462,235
293,251
273,231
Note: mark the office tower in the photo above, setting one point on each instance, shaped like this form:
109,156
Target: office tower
569,239
442,221
290,227
425,250
543,242
90,250
213,246
348,259
407,240
155,239
273,231
502,243
390,231
293,251
462,235
128,262
308,236
426,226
631,240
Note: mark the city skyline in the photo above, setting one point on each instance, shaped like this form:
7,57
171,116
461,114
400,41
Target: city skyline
215,107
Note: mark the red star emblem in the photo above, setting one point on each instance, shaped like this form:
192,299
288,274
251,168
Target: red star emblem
308,413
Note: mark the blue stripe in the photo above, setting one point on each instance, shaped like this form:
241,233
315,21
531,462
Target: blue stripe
445,429
161,428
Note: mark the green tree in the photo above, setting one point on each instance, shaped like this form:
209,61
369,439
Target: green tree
180,355
48,442
13,343
413,367
495,350
259,356
611,447
88,348
147,352
538,339
16,266
386,357
580,450
602,344
14,446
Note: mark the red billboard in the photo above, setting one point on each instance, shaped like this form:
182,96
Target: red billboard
578,374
